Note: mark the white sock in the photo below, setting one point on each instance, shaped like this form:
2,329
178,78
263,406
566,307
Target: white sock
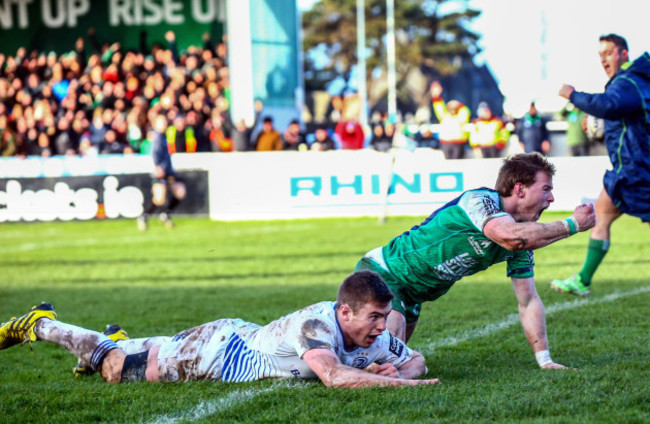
87,345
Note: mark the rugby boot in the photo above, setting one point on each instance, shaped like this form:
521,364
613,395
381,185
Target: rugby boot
572,285
21,330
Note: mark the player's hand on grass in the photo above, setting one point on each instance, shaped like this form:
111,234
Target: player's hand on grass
387,370
585,216
428,381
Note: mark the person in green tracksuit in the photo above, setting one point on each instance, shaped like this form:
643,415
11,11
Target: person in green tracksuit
479,228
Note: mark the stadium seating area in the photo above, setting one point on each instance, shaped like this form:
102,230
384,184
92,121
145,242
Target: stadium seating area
102,98
103,102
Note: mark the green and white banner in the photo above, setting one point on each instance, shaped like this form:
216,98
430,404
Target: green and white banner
54,25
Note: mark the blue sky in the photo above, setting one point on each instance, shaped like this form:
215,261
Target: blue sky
534,46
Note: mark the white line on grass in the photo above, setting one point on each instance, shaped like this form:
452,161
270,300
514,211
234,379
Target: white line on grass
213,407
512,319
236,398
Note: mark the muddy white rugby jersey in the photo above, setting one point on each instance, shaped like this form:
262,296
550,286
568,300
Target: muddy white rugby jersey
254,352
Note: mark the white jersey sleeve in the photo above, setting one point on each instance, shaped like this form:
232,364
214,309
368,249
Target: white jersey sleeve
310,331
481,206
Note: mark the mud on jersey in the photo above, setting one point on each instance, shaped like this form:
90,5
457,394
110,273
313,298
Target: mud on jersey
236,350
449,245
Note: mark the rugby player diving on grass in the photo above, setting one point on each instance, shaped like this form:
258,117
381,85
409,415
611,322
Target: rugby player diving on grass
343,343
472,232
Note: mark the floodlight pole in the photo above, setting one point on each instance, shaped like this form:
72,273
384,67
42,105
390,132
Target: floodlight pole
390,53
361,63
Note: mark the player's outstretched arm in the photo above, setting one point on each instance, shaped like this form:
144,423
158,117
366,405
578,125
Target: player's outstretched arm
533,320
333,373
533,235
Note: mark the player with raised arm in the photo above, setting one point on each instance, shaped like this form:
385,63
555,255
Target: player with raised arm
343,343
472,232
626,187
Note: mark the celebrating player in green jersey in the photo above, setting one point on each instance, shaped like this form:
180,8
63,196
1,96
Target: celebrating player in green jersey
479,228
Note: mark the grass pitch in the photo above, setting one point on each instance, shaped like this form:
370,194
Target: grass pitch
160,282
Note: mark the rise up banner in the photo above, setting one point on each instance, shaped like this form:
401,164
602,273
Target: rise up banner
55,25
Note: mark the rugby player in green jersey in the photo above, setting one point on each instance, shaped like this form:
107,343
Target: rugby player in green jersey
479,228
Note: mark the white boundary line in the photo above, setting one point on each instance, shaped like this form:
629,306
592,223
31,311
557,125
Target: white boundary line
512,319
206,408
213,407
238,397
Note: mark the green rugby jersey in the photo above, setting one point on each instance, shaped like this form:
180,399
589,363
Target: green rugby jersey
450,244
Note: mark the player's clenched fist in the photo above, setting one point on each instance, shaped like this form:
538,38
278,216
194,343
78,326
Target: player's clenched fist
585,216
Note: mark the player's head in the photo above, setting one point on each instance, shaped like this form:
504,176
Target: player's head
363,304
267,124
362,287
453,106
526,182
613,53
522,168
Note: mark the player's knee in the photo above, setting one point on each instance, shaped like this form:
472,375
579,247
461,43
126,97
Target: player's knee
179,190
159,193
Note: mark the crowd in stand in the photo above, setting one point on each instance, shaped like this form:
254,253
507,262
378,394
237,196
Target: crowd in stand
104,102
102,99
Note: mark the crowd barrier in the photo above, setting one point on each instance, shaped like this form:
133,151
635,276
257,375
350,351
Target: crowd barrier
273,185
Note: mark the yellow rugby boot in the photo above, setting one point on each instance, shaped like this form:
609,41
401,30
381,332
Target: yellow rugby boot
21,330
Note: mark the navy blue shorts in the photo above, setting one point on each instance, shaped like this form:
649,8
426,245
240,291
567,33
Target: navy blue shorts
630,194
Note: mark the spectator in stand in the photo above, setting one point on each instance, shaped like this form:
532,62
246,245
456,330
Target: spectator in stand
323,141
31,142
532,132
576,137
350,135
147,144
453,117
42,147
196,123
66,142
293,137
180,137
241,133
218,140
134,130
426,138
7,142
98,128
488,133
110,145
22,144
43,93
268,139
380,141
